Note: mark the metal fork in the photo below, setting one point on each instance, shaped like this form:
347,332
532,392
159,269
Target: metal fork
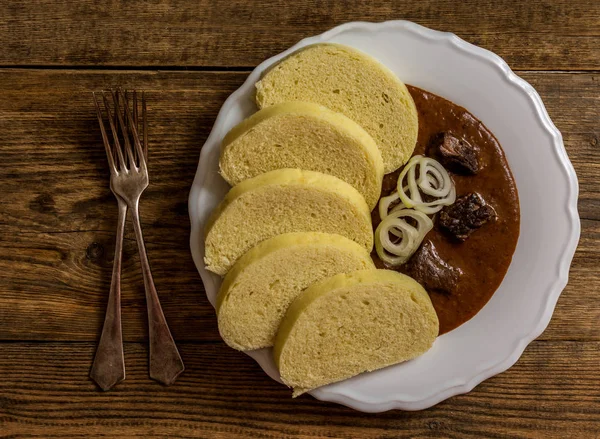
128,179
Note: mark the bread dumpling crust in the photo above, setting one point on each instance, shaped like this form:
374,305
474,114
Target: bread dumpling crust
283,201
352,83
257,291
307,136
353,323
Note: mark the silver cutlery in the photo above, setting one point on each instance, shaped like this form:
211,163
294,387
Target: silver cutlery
127,157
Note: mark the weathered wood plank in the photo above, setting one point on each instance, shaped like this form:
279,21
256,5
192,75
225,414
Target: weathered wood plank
58,216
546,35
51,140
552,392
53,162
55,286
57,220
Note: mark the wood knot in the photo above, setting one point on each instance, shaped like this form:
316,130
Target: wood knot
94,251
435,425
43,203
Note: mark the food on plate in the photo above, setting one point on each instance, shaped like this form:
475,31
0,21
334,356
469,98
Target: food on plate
469,213
352,83
353,323
396,239
283,201
432,181
257,291
293,235
431,271
454,153
459,274
306,136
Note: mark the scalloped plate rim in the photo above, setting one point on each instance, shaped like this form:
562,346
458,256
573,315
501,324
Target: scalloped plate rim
553,293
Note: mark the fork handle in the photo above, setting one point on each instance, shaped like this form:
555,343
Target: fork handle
165,362
109,363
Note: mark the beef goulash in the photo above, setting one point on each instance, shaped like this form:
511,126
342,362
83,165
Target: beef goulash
467,252
294,234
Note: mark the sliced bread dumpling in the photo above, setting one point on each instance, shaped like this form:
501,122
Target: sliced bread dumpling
283,201
352,83
353,323
257,291
307,136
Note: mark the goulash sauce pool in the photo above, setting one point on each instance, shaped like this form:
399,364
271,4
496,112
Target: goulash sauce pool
485,256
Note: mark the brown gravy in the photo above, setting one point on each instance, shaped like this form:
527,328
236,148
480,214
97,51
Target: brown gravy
485,256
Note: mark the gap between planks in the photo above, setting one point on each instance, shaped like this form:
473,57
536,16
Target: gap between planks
221,342
218,69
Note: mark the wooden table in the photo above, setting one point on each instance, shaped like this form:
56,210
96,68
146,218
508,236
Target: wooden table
58,216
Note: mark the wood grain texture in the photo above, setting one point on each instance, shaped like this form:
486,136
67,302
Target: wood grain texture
58,216
55,287
552,392
540,35
57,219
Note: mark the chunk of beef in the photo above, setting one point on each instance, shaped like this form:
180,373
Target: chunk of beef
467,214
431,271
456,154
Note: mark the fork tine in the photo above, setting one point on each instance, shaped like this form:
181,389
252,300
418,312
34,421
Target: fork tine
125,128
116,125
109,156
145,126
136,120
126,131
114,131
136,138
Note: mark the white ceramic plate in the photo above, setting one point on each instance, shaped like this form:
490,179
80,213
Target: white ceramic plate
521,308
